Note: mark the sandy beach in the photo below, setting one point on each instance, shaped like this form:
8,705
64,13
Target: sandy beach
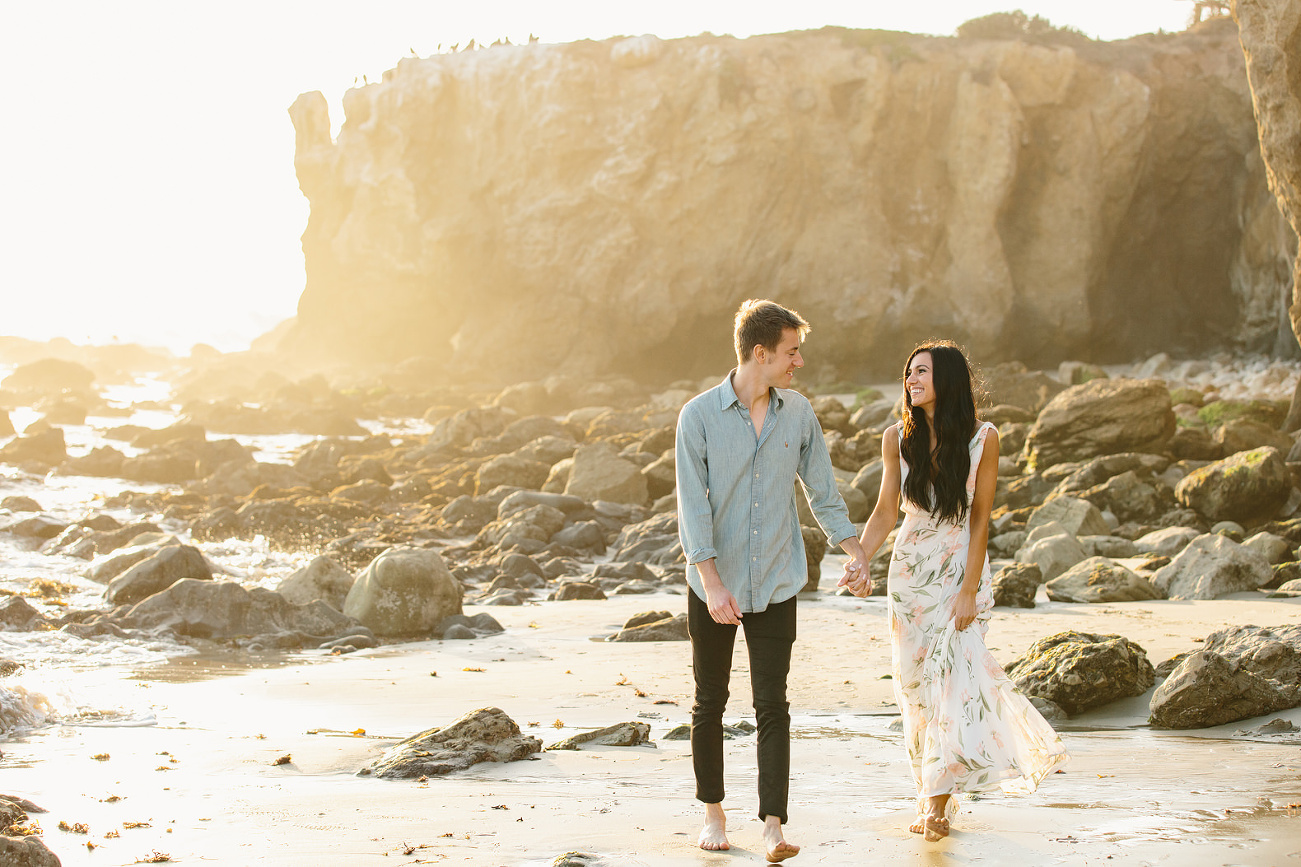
202,776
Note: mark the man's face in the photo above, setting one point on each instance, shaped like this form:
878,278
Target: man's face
779,365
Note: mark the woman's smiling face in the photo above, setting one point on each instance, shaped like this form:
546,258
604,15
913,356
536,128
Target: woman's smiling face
918,382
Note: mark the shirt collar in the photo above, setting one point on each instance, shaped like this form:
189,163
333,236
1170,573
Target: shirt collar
727,394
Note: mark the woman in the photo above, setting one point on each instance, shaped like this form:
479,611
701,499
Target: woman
965,727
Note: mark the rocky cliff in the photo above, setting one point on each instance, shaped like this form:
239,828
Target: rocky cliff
604,206
1270,31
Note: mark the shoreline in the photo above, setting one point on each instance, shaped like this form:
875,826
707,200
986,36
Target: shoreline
1130,795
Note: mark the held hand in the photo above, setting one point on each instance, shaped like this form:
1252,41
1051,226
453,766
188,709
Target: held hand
722,606
964,609
856,578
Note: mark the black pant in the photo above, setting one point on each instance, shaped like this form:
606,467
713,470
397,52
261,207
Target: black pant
769,636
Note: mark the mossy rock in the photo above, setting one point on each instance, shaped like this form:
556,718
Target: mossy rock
1220,411
1186,395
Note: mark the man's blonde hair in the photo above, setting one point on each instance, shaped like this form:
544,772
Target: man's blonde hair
761,323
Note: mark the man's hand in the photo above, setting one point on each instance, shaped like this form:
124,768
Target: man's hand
722,604
964,609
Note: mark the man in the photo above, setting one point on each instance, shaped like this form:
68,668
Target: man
740,448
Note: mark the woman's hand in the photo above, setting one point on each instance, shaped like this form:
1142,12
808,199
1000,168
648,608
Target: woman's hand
856,578
964,609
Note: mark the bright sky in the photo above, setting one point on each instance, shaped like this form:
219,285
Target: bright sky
147,188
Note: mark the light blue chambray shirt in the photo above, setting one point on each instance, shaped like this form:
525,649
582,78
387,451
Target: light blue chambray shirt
736,495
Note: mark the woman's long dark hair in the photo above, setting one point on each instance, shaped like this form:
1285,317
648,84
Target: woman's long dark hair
938,483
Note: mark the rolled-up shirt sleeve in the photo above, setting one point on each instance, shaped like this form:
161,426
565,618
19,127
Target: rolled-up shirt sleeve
819,481
695,518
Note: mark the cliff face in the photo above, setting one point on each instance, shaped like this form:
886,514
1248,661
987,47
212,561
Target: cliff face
1270,32
604,207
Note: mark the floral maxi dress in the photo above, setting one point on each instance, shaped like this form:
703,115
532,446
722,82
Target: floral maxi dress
965,726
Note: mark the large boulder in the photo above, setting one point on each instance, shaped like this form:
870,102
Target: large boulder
50,376
1078,517
1166,542
404,592
598,473
1016,584
1078,671
510,470
483,735
1247,487
1207,689
26,852
654,540
44,449
1100,579
323,578
223,610
1211,566
1100,417
158,572
662,629
1052,549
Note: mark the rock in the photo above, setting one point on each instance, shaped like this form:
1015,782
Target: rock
1207,689
598,473
106,569
1269,651
156,573
1048,251
627,734
1016,585
661,475
670,629
654,540
1099,579
38,527
868,480
1079,671
647,617
1127,497
1210,567
404,591
484,735
1247,487
1275,549
1284,575
1102,416
585,535
20,504
16,613
458,626
510,470
323,578
1166,542
1078,517
569,590
1243,434
26,852
1113,547
1276,726
45,449
815,548
223,610
51,376
1012,384
1052,553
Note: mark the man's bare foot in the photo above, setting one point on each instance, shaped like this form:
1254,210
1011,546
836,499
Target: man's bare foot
775,843
714,835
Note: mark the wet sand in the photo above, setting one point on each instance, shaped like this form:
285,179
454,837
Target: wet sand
203,774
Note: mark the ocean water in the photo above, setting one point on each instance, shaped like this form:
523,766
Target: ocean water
69,680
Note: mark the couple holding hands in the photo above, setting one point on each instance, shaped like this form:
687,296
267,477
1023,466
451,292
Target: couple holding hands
741,446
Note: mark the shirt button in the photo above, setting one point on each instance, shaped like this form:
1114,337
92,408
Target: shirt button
756,505
756,532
